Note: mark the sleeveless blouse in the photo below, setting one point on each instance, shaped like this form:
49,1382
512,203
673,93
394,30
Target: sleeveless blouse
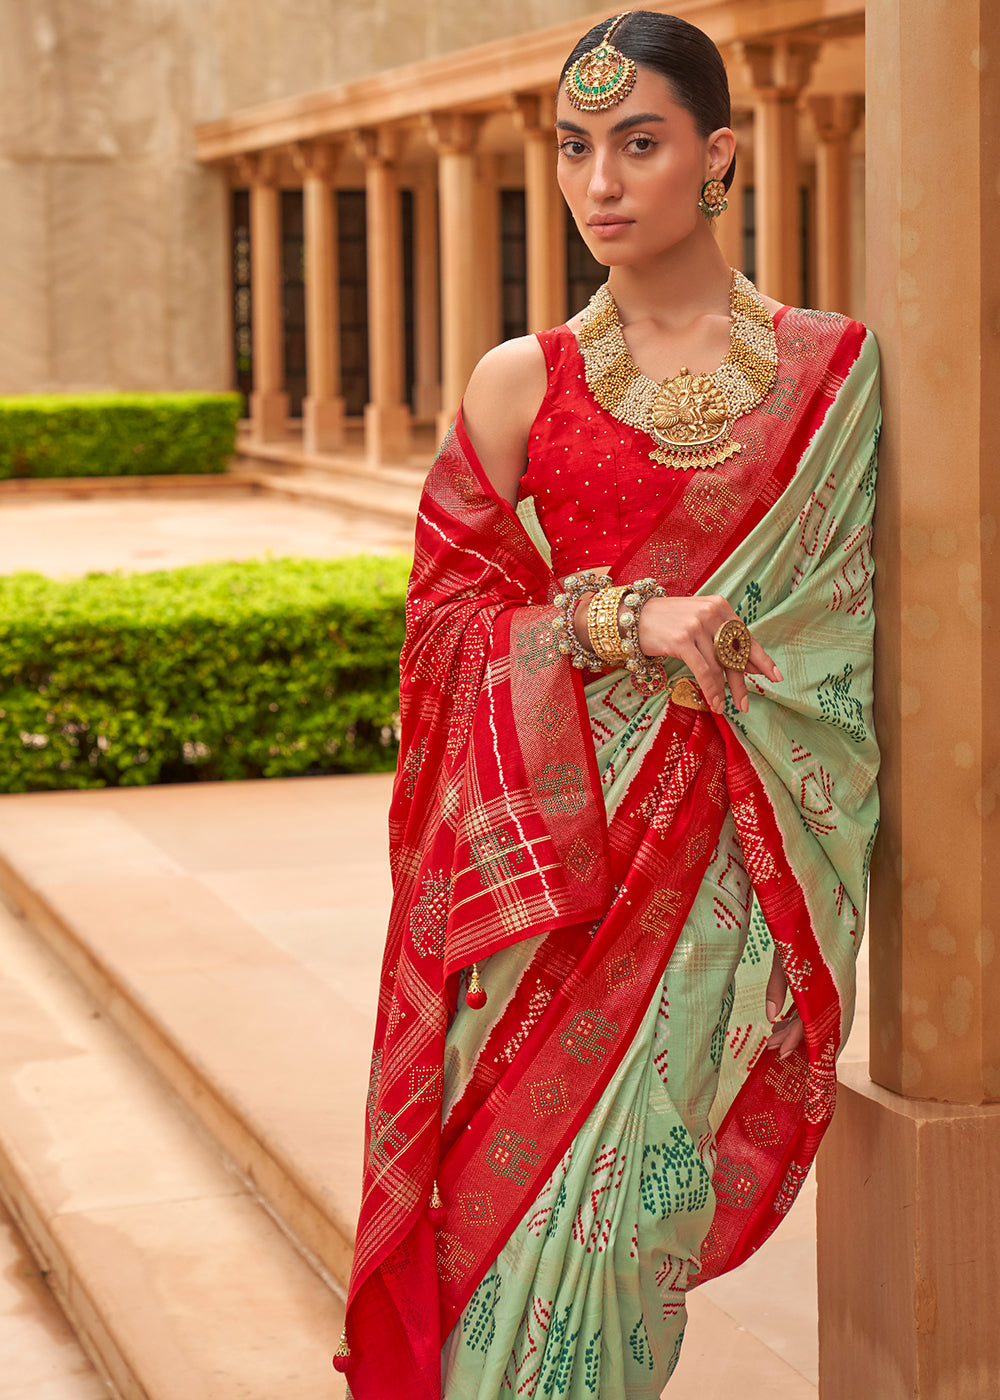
593,484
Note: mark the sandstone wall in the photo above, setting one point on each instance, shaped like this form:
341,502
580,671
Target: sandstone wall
113,267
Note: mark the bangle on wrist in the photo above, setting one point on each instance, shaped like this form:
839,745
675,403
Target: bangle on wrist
647,671
573,589
602,625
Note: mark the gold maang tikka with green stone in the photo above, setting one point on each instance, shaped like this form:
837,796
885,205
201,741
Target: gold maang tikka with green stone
603,77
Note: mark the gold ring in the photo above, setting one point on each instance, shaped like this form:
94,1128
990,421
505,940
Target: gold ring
732,645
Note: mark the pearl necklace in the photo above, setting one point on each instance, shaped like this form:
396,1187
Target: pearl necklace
690,416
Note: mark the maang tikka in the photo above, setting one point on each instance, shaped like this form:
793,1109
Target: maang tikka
603,77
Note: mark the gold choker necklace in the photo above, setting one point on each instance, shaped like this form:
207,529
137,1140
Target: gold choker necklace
690,416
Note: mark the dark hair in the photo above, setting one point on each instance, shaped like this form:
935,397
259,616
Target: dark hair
679,52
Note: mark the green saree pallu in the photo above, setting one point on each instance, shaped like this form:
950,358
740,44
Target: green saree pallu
547,1174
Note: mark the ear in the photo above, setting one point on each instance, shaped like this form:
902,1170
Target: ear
719,151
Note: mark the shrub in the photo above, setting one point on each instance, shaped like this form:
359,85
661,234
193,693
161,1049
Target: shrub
261,669
57,435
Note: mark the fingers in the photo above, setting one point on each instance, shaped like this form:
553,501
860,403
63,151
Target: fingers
786,1037
761,664
777,989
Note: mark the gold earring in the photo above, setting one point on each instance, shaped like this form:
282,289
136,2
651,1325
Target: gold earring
713,200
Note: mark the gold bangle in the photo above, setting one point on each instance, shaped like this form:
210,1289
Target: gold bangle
602,625
732,645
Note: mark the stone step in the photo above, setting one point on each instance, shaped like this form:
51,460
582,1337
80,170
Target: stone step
389,500
212,924
177,1282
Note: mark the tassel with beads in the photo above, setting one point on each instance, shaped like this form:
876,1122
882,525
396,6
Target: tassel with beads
343,1353
475,992
435,1210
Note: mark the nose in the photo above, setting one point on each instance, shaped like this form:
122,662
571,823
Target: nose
604,180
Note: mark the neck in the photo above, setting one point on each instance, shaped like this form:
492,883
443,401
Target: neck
688,280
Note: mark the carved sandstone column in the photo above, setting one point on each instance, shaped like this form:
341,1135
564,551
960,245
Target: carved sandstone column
323,406
836,119
454,136
387,415
426,307
545,215
909,1209
778,72
268,401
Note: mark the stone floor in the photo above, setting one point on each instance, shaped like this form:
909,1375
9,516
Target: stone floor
68,536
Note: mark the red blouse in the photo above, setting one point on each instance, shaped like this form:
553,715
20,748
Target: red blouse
594,486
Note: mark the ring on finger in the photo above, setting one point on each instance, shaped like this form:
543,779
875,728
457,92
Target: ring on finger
732,645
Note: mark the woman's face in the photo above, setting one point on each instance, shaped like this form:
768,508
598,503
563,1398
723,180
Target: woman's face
632,175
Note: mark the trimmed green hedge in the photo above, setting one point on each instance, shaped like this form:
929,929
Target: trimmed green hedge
56,435
261,669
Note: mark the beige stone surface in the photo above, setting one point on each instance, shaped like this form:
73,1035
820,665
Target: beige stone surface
40,1358
62,537
186,1288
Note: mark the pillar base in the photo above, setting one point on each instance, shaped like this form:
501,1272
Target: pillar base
269,417
322,424
387,432
908,1239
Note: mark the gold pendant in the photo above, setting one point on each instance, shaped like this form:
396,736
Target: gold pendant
685,461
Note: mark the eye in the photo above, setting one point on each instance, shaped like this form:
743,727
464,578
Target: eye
639,145
571,147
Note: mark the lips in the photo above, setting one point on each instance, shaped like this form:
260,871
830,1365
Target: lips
606,220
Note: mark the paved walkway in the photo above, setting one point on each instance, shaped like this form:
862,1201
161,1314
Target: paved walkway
67,536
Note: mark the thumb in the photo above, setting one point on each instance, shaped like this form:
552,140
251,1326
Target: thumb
777,990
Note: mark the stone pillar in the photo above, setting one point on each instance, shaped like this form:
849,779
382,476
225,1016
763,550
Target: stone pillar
387,415
454,136
426,300
909,1211
729,226
268,401
323,406
778,72
836,119
488,300
544,213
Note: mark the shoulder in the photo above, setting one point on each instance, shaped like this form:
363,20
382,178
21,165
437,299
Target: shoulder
515,366
501,402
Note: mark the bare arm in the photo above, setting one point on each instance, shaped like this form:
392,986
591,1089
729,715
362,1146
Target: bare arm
500,405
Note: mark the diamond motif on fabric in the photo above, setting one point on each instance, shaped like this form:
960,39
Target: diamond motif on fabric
425,1083
621,969
549,1096
787,1078
477,1207
550,717
580,858
762,1129
588,1036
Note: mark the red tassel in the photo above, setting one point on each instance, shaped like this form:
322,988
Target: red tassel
475,992
343,1353
435,1211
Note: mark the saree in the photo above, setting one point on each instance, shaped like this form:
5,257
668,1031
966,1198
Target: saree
572,840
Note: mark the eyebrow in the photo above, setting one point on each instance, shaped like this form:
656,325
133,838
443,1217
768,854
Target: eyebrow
641,119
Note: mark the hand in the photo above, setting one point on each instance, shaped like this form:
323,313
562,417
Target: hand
786,1036
685,628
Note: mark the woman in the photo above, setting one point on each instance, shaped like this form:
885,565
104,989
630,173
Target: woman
580,1105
